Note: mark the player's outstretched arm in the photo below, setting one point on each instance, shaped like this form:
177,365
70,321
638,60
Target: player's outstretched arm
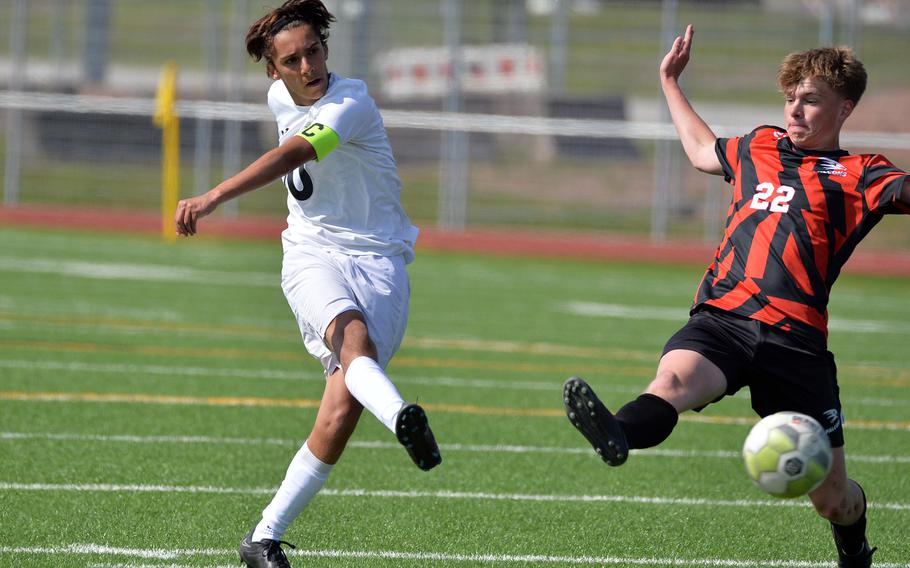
696,136
268,167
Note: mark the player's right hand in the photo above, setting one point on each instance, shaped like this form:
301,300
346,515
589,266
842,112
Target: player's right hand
676,59
189,211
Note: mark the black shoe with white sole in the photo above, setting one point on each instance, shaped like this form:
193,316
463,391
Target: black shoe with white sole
266,553
413,431
595,422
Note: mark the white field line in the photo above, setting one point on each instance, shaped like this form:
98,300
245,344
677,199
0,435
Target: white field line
140,272
176,554
171,565
460,495
167,273
283,375
596,309
378,445
271,374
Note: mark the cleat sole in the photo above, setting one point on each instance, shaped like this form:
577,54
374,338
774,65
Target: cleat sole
596,424
413,432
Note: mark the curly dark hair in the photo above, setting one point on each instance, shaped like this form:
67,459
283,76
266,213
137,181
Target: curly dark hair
291,14
837,66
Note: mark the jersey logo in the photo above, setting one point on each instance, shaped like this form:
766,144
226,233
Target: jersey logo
778,134
831,167
299,183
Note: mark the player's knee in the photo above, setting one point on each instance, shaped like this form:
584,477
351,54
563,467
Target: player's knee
352,336
342,419
667,385
834,507
828,510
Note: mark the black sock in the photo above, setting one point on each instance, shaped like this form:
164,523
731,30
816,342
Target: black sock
647,421
851,539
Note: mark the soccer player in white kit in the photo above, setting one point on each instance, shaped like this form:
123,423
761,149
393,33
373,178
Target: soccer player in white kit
346,248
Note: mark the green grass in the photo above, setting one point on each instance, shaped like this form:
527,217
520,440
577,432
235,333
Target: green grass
142,343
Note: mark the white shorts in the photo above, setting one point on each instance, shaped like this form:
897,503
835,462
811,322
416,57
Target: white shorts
320,284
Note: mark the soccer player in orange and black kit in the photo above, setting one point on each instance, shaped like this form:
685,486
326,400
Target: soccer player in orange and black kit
800,206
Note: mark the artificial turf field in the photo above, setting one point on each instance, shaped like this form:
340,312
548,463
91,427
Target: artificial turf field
152,395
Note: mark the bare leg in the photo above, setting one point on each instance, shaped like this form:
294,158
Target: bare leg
687,380
838,499
335,422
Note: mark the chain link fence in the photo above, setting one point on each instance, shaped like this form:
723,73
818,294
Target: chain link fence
531,113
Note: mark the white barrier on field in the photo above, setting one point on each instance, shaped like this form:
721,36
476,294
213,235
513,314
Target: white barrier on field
489,69
467,122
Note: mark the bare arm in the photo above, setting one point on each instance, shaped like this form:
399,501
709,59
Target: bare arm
696,136
268,167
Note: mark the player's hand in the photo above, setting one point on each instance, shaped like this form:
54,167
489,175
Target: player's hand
676,59
189,211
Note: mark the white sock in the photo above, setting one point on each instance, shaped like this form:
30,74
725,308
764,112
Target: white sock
304,478
367,382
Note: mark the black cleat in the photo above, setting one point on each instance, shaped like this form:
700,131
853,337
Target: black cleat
266,553
594,421
413,431
862,559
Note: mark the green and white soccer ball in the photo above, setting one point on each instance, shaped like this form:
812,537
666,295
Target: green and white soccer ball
787,454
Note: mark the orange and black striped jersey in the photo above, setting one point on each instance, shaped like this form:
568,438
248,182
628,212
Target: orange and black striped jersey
795,218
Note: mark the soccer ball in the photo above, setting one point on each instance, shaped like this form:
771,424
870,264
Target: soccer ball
787,454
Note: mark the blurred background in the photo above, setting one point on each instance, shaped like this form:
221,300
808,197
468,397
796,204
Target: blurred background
533,114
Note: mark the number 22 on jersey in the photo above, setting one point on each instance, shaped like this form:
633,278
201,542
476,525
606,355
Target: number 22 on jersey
774,199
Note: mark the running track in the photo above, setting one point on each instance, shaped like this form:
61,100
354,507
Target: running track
503,242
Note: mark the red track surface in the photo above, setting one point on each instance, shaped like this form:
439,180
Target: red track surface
504,242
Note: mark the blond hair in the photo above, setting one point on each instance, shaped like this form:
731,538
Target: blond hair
836,66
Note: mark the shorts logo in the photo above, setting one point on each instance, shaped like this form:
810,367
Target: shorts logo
834,419
831,167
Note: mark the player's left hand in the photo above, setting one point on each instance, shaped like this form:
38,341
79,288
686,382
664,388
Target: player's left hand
189,211
678,57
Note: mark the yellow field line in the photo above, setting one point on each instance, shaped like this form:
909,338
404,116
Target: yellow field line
159,399
100,322
519,347
558,369
144,398
860,374
856,375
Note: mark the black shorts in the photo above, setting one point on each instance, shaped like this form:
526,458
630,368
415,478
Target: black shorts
783,372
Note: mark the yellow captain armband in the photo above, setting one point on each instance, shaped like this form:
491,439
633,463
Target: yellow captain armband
323,139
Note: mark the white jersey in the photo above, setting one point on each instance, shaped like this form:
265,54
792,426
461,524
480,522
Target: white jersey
350,200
